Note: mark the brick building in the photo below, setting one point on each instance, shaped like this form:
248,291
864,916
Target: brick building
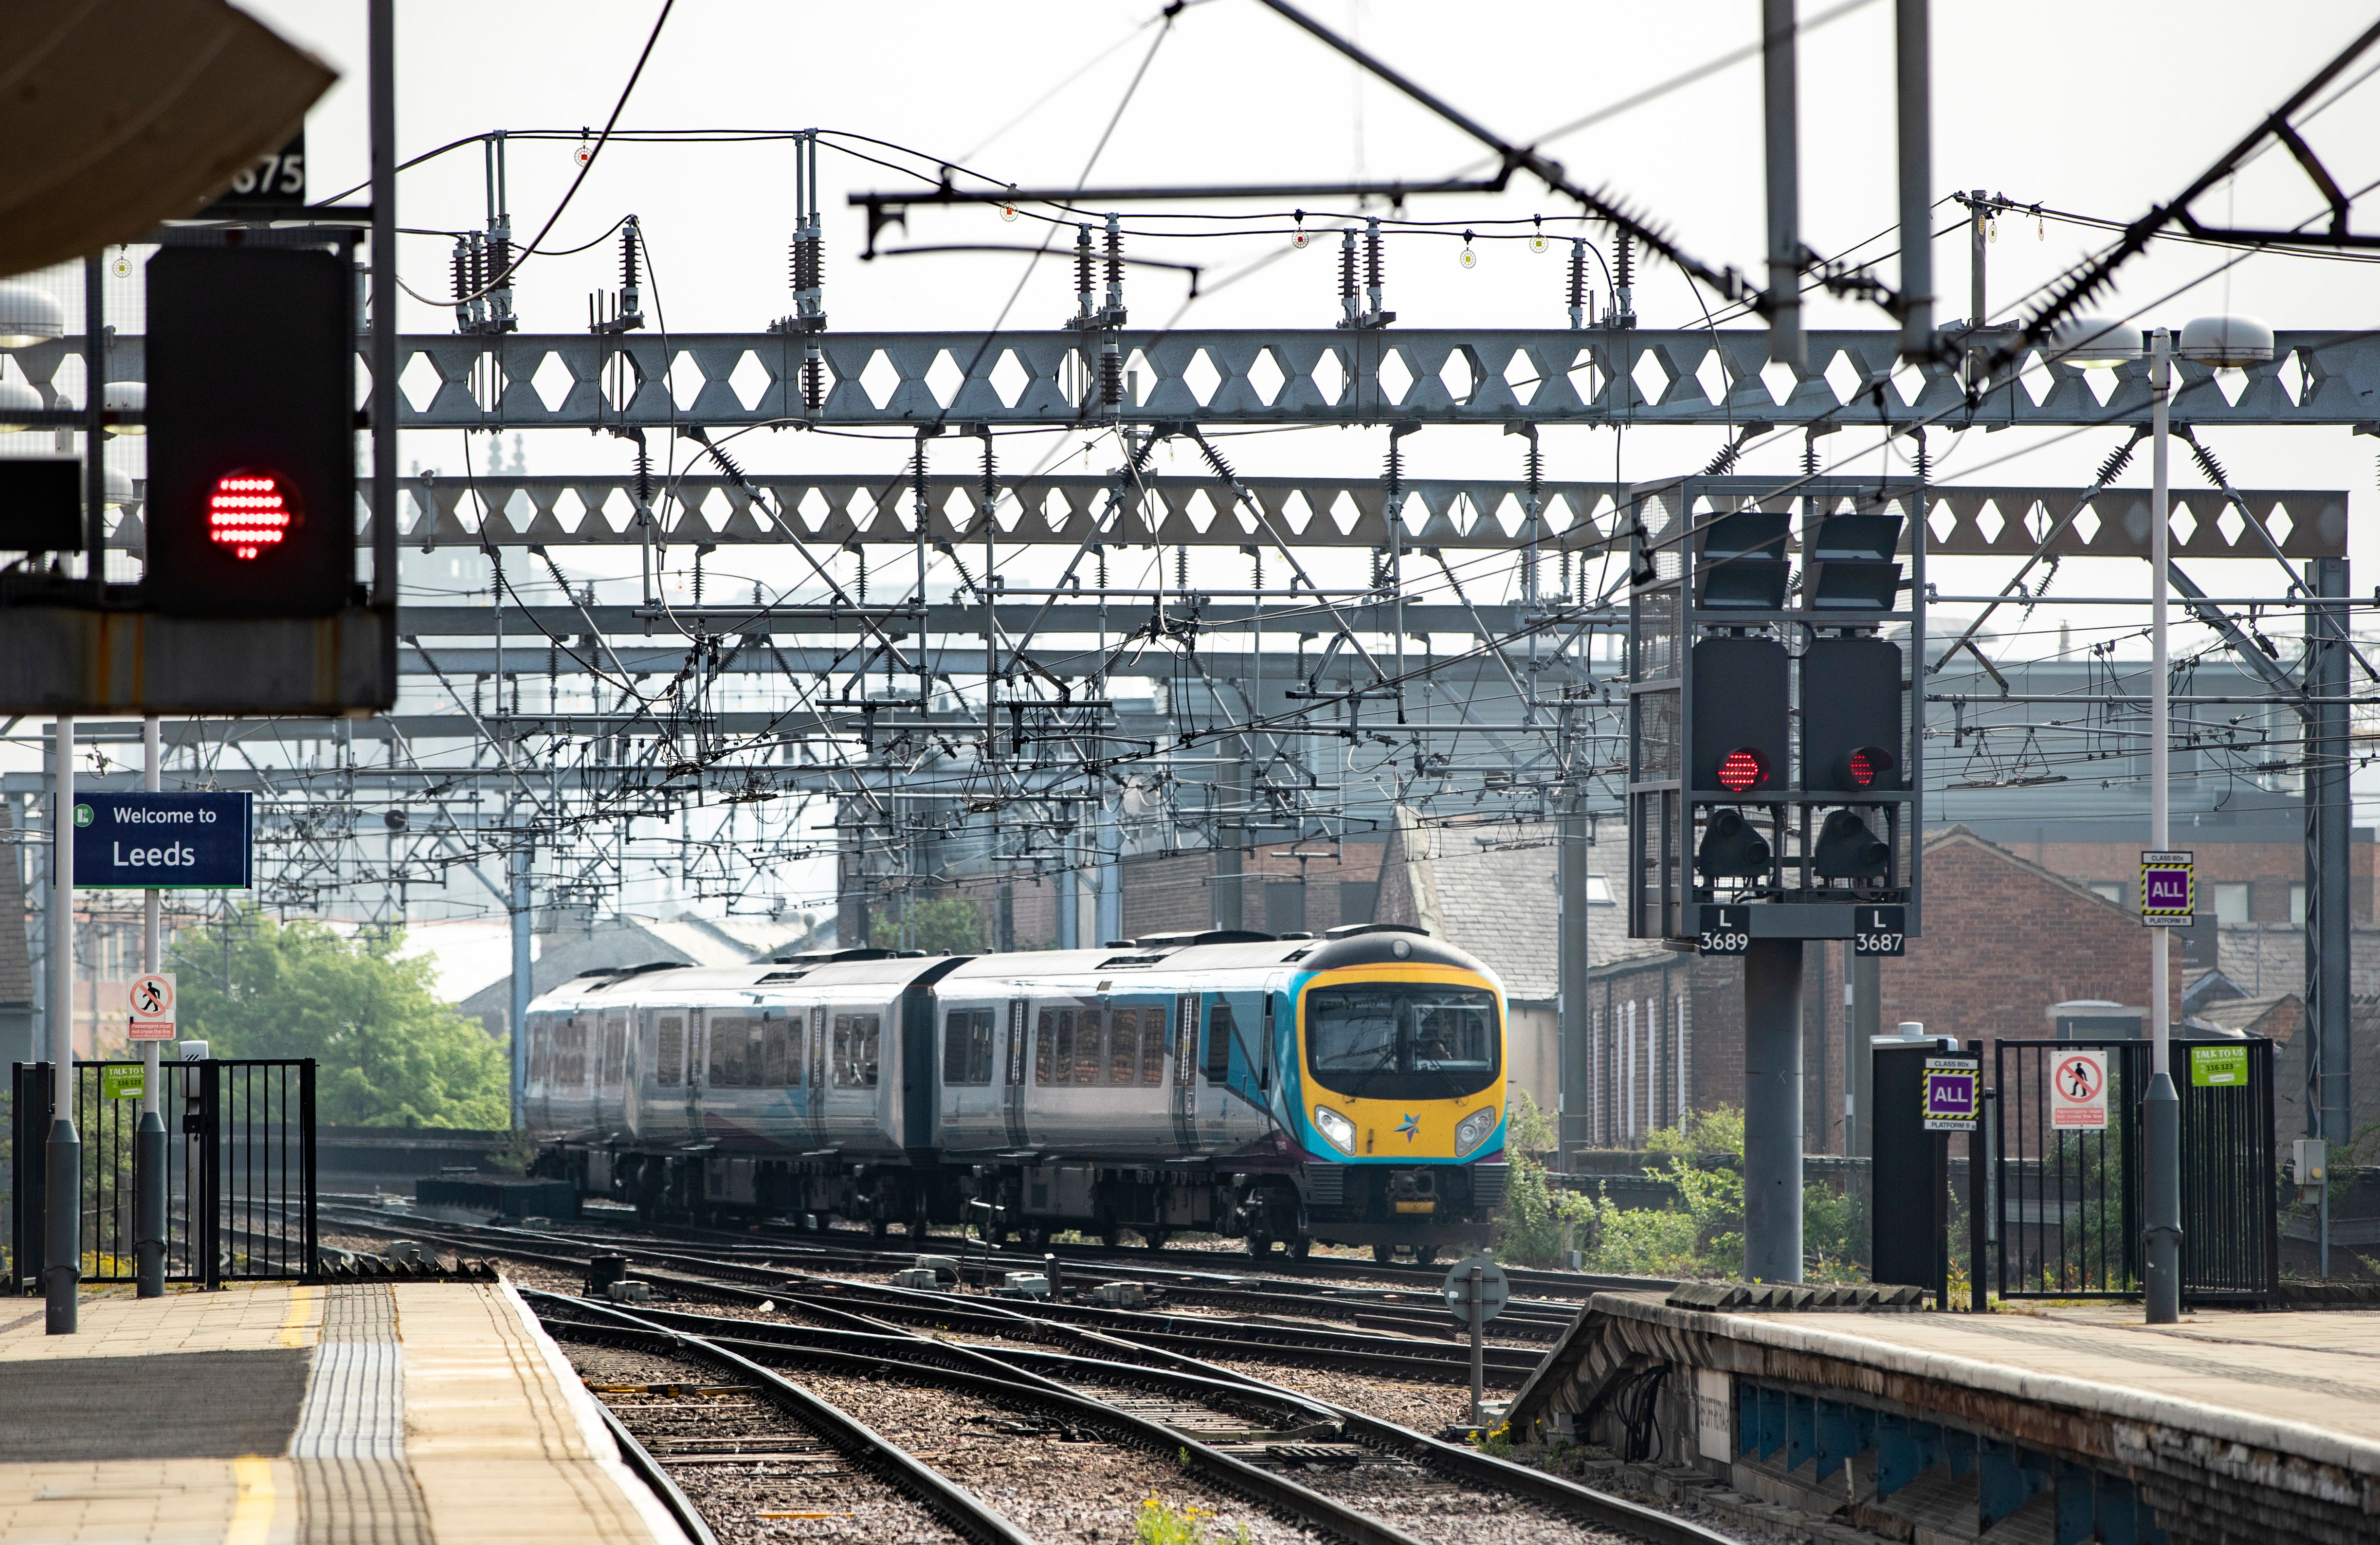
2004,940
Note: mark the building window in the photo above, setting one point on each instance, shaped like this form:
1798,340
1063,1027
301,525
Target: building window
2231,903
1598,891
2113,890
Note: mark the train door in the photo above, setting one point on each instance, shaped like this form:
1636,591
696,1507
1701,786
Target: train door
612,1113
915,1127
1020,1012
632,1067
814,1084
1182,1086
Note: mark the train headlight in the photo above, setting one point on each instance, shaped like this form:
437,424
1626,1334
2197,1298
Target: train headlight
1338,1129
1475,1129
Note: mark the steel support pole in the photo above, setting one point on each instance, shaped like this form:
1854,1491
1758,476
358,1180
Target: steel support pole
62,1192
1573,1035
1108,919
1781,107
2161,1124
1772,1110
522,984
1475,1283
149,1143
1913,72
1864,1021
380,22
2328,914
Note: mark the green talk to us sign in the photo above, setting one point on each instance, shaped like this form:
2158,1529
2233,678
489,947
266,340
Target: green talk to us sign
2219,1065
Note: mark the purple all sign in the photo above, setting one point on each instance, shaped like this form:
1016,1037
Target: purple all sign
1953,1092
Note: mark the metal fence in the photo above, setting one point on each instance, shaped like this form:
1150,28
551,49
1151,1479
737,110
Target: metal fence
241,1172
2070,1208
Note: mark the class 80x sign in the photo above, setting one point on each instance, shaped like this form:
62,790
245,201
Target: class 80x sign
163,842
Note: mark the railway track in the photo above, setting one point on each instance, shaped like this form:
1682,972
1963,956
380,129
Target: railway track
1410,1356
1356,1478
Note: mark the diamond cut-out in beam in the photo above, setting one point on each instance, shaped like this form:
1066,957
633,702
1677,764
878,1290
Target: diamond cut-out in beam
2086,526
619,508
1649,377
814,507
1266,377
879,379
481,380
2101,381
2279,524
2037,379
1457,376
1711,374
1296,513
715,508
2231,383
1201,376
1345,513
1942,522
1909,382
2182,523
1395,377
418,381
943,378
1843,376
1779,377
1009,378
2231,527
1521,377
1586,376
1330,377
1990,522
1198,510
684,379
748,380
551,381
569,510
2290,370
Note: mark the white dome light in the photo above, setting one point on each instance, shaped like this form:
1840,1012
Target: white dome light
30,316
2087,340
127,396
2228,342
17,399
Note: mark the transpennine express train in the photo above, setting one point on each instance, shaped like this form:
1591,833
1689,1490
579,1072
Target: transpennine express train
1283,1091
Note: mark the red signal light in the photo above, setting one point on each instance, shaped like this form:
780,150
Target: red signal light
250,511
1743,769
1868,763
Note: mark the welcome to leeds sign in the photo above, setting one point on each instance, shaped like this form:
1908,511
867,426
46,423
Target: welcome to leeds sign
162,842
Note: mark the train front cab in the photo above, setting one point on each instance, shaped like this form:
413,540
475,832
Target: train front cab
1398,1097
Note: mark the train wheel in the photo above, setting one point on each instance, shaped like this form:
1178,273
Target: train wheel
1300,1247
1112,1236
1153,1237
1386,1255
878,1229
1424,1255
1259,1244
1035,1236
919,1227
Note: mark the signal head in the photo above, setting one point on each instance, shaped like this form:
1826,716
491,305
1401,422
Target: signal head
1742,770
1867,767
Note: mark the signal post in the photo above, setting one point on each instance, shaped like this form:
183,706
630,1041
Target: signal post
1775,762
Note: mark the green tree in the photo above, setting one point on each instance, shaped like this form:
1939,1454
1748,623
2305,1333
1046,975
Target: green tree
390,1053
1538,1220
944,925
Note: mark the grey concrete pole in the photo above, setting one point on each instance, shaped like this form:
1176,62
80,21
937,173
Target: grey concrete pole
1570,975
1781,102
522,985
2330,814
149,1143
62,1196
2161,1123
1913,72
1476,1306
1109,918
1772,1110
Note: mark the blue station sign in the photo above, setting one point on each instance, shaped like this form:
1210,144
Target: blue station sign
163,842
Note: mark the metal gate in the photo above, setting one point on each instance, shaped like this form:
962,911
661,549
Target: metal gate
2069,1205
239,1181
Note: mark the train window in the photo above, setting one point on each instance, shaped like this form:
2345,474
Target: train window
1401,1041
540,1048
1123,1046
855,1051
1057,1054
668,1053
1152,1046
966,1047
777,1070
1220,1032
616,1047
1045,1041
1086,1045
570,1052
727,1050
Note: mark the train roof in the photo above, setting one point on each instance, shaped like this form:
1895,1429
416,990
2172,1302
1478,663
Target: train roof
1159,955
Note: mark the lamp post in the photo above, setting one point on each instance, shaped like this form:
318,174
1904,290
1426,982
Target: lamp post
2217,341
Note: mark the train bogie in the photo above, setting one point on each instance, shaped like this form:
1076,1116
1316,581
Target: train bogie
1277,1091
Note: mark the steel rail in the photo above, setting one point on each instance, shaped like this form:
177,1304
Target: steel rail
639,1459
1274,1492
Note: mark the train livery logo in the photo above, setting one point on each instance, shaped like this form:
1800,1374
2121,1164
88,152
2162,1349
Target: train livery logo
1410,1126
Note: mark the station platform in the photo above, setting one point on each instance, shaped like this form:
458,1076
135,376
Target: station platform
392,1413
2030,1425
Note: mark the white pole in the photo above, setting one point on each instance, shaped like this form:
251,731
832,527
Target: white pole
2161,1112
62,1183
149,1145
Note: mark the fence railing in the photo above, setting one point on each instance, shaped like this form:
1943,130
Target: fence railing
239,1172
2069,1205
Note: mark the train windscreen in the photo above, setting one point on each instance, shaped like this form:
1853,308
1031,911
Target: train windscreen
1401,1041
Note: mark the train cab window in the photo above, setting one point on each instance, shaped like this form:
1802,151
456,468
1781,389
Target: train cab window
966,1047
616,1047
1402,1040
668,1050
1088,1049
540,1048
1220,1032
1123,1046
855,1051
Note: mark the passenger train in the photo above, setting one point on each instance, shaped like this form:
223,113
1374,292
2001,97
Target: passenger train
1347,1089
